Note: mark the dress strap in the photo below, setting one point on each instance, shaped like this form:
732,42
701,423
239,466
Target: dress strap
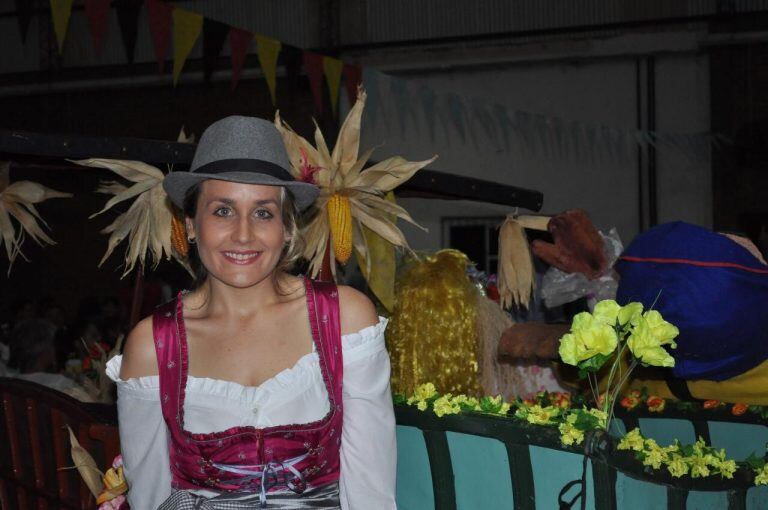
169,360
323,304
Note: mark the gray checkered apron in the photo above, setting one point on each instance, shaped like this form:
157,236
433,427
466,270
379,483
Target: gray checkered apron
326,497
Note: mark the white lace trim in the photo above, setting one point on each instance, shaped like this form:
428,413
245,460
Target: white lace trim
298,378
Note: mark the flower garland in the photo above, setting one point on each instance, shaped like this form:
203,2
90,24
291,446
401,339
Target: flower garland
639,399
555,410
697,460
425,397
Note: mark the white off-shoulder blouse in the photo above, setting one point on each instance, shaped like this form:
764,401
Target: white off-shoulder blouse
295,395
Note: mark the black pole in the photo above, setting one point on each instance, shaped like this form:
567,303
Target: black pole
653,213
640,179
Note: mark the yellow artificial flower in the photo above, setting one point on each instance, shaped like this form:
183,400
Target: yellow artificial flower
726,468
677,466
761,478
632,441
699,466
570,435
655,456
602,416
425,391
569,349
646,346
587,340
606,311
663,331
443,406
630,313
422,405
538,415
583,320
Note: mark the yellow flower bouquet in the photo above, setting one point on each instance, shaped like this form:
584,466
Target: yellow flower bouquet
610,333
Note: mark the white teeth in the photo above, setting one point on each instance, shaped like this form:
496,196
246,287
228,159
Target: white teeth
239,256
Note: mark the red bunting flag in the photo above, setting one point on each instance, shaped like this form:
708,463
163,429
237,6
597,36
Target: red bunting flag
159,16
353,77
239,41
313,65
97,12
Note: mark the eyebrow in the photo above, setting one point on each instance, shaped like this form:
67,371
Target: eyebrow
230,202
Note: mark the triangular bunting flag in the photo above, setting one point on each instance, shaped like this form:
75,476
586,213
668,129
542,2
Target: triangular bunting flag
24,9
333,67
239,40
214,35
313,65
60,12
159,16
128,19
97,12
353,78
186,29
267,50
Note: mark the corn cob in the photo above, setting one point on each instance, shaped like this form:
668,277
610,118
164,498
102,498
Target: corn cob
179,236
340,221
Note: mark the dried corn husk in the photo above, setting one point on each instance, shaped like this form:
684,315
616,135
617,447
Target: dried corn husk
340,172
147,223
17,200
85,465
516,275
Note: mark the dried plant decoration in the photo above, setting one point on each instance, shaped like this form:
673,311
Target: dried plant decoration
516,277
18,200
351,198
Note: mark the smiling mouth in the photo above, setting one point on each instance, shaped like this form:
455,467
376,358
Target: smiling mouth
241,257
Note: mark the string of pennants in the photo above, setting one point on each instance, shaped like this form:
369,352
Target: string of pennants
170,24
465,119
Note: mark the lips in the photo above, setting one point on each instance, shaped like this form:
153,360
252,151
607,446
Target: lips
241,258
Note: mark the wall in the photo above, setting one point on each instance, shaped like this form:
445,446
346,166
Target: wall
590,82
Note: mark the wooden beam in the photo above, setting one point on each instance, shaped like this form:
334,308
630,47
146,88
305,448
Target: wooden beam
425,183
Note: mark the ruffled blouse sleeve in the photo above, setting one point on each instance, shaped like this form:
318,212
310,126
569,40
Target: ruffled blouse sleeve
143,438
368,447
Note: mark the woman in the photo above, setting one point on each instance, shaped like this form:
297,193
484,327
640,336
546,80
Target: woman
258,388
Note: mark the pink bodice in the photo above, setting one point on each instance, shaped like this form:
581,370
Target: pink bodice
246,458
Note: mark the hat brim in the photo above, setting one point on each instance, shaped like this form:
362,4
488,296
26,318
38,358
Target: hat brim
176,185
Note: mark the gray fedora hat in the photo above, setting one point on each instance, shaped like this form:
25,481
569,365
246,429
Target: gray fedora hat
240,149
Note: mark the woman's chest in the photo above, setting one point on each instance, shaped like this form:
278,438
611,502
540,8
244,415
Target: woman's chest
247,353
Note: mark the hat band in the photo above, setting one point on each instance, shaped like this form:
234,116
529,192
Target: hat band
244,165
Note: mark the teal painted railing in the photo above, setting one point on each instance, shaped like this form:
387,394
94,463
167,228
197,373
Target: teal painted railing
474,461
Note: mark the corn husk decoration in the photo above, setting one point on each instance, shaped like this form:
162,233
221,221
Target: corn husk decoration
85,465
18,200
516,276
147,223
351,198
104,486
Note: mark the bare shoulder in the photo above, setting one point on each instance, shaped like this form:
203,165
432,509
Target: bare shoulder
139,358
357,311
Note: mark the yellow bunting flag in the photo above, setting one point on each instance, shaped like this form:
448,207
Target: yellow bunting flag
267,49
60,11
333,67
186,30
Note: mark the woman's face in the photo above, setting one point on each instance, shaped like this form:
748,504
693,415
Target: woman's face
239,231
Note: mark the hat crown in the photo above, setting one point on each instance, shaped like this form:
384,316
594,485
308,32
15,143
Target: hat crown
239,137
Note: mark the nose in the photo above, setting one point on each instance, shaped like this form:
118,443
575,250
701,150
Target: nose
243,232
